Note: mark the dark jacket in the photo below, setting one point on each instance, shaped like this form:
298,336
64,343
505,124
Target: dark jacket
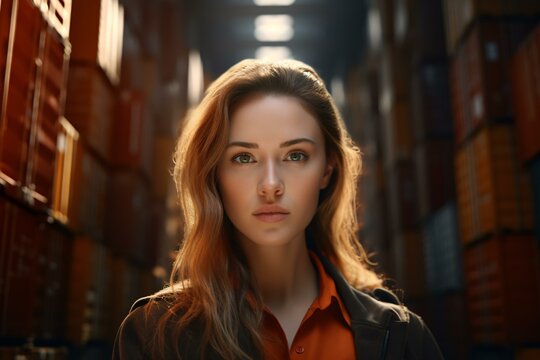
382,328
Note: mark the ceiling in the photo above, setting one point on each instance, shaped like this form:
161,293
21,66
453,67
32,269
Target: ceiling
328,34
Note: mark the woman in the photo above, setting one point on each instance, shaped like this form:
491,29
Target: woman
270,266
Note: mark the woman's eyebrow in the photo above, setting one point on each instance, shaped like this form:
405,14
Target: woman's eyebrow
243,144
282,145
296,141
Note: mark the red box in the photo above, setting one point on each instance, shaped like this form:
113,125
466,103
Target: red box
88,200
90,107
526,95
503,290
126,284
156,232
127,215
408,255
89,306
398,133
20,255
403,196
51,93
480,77
434,175
16,99
430,97
449,324
162,180
427,30
460,14
5,231
132,134
52,289
96,34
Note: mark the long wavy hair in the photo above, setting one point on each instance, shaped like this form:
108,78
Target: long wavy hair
210,279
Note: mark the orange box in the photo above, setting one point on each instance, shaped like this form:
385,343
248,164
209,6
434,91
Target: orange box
64,170
493,191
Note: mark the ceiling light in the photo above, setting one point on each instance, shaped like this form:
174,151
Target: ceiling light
274,28
273,2
273,53
374,28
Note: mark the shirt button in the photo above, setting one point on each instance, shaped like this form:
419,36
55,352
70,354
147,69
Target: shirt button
299,349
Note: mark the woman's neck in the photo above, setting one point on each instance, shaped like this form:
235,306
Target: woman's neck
284,275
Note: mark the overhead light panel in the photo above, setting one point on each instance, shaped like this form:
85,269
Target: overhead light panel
274,27
273,53
273,2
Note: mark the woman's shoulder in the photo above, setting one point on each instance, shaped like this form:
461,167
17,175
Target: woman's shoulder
138,327
384,307
159,301
379,305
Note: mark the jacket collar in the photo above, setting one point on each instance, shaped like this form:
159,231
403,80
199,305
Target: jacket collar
371,320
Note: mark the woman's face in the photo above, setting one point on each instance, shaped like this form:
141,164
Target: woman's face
272,170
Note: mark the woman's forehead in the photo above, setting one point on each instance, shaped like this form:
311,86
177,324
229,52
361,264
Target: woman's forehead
276,117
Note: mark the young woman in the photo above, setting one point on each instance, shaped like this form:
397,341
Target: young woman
270,266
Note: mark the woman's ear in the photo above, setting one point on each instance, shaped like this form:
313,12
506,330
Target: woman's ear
327,175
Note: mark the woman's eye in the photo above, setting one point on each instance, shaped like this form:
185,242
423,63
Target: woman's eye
243,158
297,156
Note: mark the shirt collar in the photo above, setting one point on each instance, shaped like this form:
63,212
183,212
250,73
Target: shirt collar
327,290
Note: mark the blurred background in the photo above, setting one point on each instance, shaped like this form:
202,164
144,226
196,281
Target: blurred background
443,97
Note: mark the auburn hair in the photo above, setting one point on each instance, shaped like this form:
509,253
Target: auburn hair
210,279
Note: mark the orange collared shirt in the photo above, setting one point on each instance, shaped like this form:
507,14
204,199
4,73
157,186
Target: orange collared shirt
324,333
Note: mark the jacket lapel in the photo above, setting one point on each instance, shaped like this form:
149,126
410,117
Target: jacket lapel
377,335
369,340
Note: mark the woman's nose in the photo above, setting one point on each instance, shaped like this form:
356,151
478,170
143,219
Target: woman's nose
270,185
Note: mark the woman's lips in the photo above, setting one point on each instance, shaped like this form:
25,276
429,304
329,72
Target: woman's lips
271,213
271,217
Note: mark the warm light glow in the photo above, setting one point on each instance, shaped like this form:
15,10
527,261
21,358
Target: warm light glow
274,28
273,53
273,2
195,78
